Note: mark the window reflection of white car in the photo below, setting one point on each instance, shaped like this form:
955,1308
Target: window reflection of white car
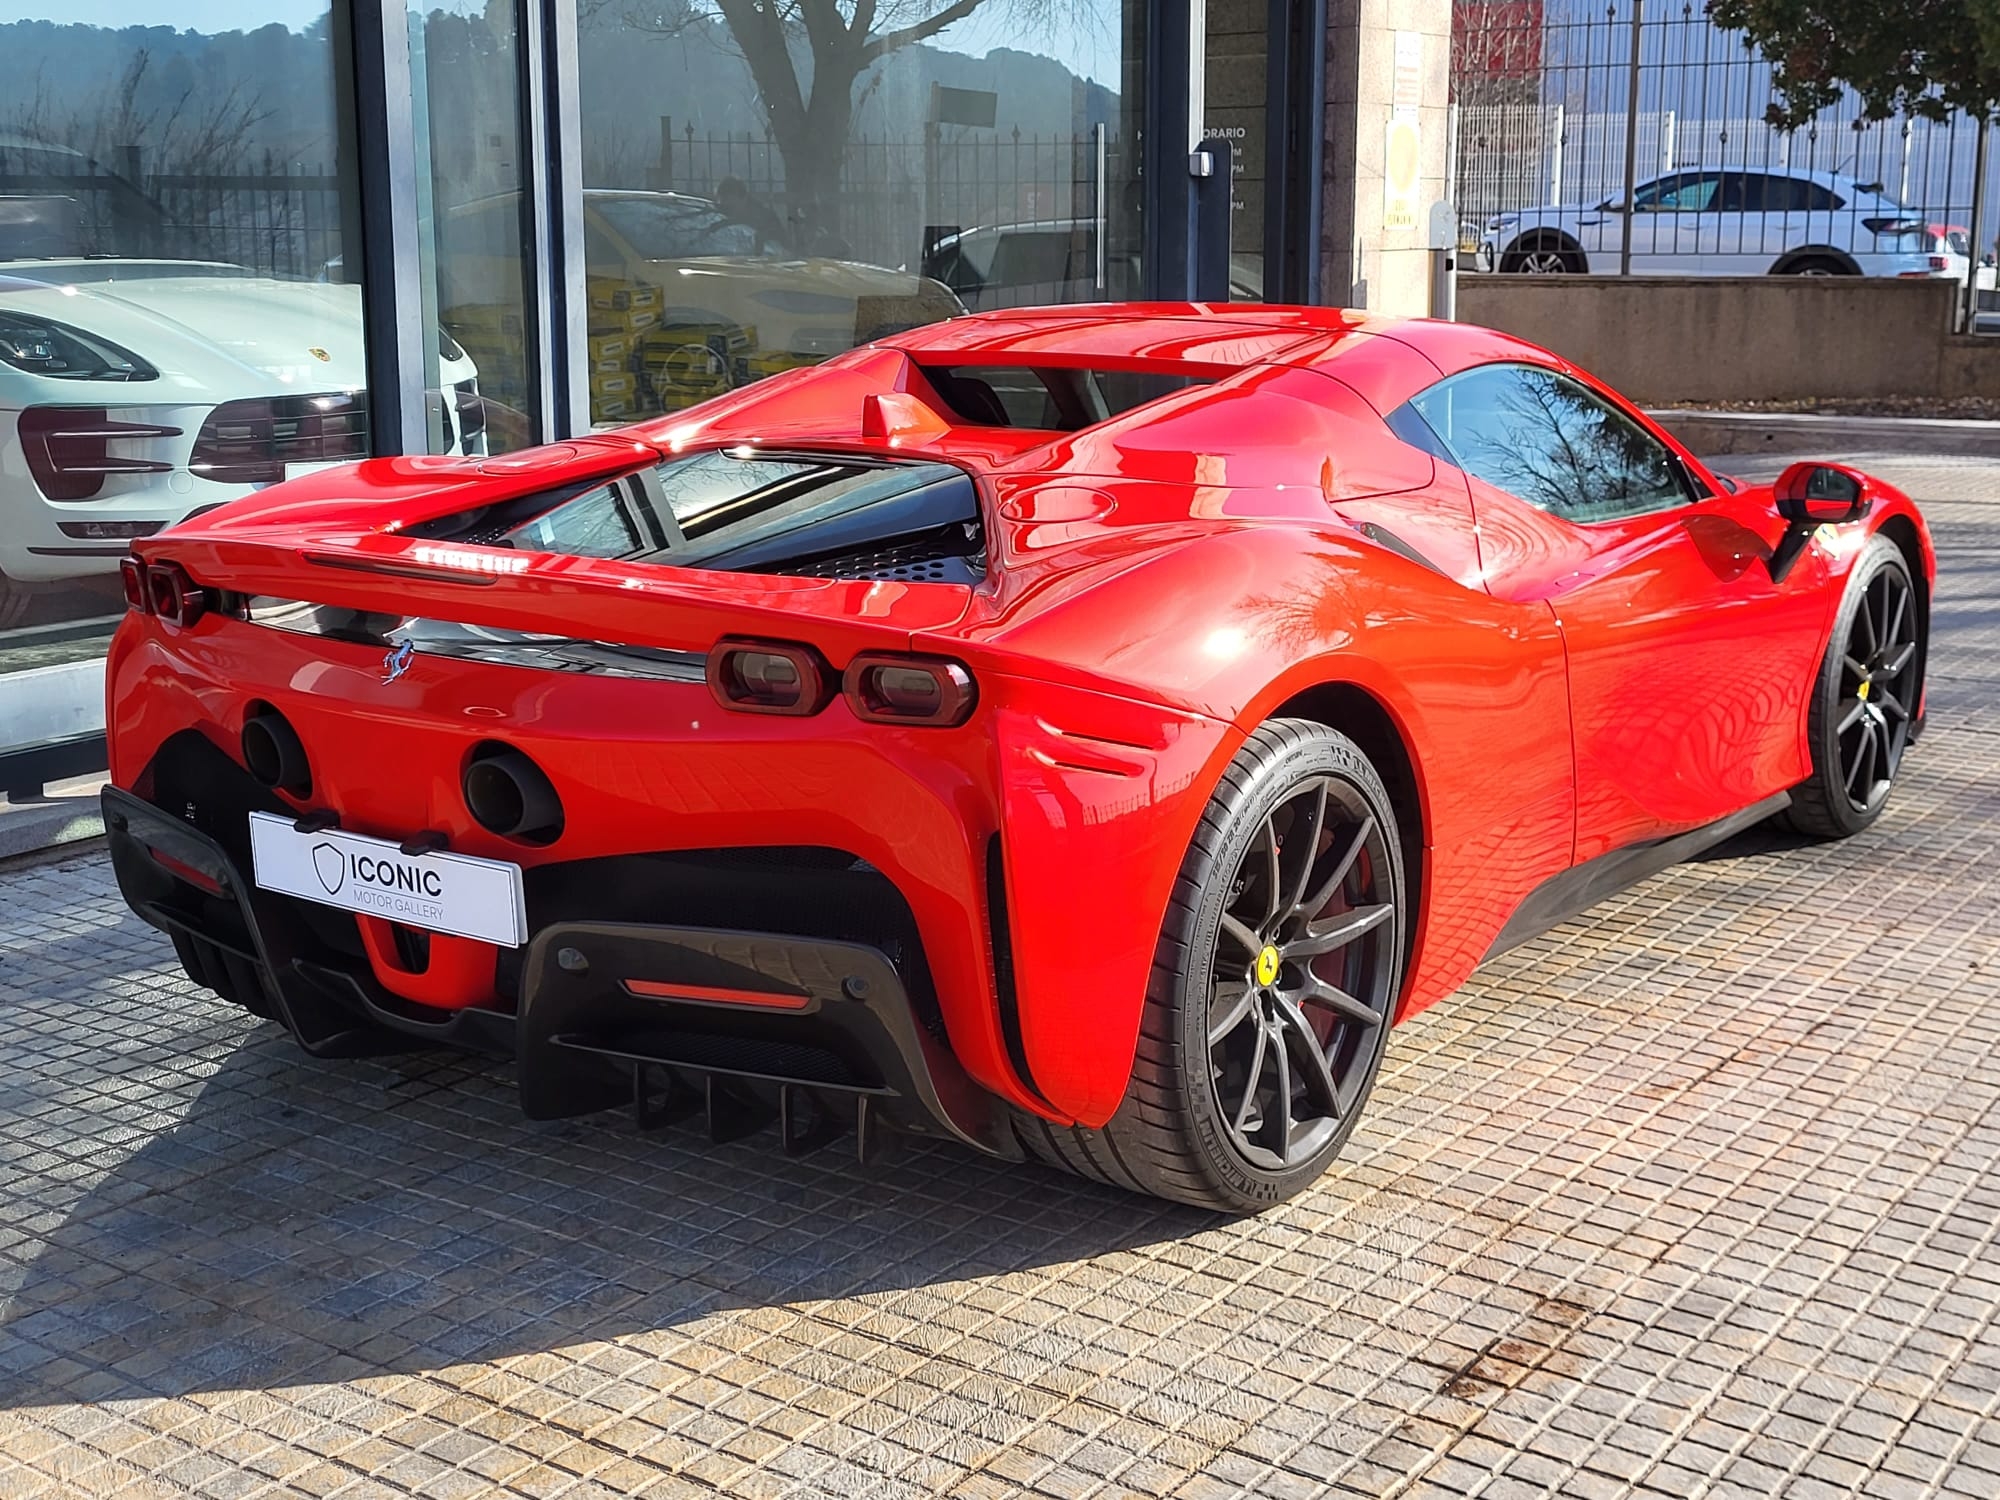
1731,222
134,392
1048,261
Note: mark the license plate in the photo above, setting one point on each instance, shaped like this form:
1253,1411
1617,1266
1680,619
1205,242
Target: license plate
451,893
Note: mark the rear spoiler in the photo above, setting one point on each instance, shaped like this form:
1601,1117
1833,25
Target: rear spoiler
680,609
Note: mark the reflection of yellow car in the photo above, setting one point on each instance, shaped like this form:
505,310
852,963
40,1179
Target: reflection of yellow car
685,302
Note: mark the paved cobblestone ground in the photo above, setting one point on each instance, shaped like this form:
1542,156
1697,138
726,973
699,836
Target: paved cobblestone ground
1695,1196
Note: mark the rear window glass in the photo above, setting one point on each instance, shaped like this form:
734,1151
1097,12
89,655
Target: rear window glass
749,510
1046,399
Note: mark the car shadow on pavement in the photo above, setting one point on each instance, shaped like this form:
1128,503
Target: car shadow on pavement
306,1222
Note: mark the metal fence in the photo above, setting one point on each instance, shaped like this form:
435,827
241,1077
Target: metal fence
282,221
891,191
1541,94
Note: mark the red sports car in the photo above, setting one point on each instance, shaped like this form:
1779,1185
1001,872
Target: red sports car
1072,731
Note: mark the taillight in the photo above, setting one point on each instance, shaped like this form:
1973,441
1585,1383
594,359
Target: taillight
1939,263
173,595
66,449
769,677
132,573
251,442
891,689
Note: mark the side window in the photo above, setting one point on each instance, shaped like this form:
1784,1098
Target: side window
1032,258
1750,193
1551,442
1646,197
1695,193
1682,192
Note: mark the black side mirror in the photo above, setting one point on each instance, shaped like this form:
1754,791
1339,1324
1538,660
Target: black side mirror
1810,496
1821,494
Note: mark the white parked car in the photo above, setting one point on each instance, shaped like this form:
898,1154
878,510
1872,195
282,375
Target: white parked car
135,392
1707,221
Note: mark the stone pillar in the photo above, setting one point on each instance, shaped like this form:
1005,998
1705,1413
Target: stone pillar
1387,69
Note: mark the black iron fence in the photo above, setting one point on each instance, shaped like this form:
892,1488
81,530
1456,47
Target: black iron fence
891,191
1543,92
280,221
286,221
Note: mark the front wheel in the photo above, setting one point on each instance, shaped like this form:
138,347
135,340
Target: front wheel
1542,255
1274,983
1865,698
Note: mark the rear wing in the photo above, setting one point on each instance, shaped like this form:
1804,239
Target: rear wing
591,599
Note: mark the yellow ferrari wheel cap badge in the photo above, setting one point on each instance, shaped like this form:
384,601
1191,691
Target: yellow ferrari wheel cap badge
1862,692
1267,965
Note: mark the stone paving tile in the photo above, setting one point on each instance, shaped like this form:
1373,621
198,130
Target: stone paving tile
1693,1197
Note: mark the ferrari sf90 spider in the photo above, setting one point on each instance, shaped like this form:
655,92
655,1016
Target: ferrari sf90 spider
1078,732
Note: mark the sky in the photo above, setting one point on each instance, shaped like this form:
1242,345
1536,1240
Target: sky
187,15
1088,50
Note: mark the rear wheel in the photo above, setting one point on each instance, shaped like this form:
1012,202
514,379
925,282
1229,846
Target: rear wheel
1865,699
1542,255
1818,265
1273,985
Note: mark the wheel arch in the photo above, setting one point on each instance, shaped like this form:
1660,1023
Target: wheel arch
1528,237
1902,531
1784,263
1365,719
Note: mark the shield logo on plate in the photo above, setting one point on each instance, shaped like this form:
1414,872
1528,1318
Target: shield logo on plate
319,354
329,866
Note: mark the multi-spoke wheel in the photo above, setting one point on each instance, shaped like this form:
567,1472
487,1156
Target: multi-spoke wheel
1274,984
1542,255
1865,700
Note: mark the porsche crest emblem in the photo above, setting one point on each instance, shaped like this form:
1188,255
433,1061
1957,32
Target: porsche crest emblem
319,354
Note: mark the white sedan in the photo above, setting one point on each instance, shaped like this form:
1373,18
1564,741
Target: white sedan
1709,221
136,392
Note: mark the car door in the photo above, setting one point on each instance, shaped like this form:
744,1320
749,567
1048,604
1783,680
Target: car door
1688,666
1675,225
1750,224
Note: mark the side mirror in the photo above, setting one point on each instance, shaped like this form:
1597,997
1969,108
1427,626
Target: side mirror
1821,494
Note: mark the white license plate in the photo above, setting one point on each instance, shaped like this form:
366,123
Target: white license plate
453,893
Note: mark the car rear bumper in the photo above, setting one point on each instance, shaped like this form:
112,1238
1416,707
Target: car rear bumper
748,1025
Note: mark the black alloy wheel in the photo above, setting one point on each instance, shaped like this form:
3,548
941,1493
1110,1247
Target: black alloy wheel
1274,983
1299,994
1877,671
1865,701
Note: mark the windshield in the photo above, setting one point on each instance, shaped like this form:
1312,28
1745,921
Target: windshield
681,229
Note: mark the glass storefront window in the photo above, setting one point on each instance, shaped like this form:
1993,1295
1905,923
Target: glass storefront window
756,200
1235,77
180,319
479,356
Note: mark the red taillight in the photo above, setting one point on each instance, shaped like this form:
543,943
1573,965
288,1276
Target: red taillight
173,595
66,449
1939,263
890,689
132,573
769,677
251,442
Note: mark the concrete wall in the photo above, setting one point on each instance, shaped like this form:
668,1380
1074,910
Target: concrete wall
1365,260
1744,338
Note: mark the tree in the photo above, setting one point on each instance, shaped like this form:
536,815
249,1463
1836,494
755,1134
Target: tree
1929,58
806,58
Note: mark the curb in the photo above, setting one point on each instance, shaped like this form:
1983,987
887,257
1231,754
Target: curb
55,822
1737,432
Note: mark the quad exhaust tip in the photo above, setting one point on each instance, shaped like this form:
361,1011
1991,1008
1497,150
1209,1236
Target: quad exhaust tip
510,795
